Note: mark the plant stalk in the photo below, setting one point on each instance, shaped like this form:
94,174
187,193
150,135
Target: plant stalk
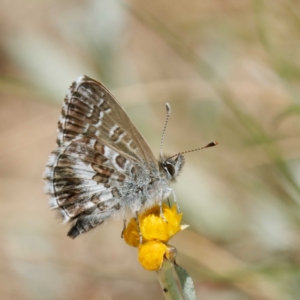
167,281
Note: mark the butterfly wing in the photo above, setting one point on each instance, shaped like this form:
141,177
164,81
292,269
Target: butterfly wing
91,110
98,149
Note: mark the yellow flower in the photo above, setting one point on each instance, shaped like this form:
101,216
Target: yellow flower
155,233
131,233
153,227
151,255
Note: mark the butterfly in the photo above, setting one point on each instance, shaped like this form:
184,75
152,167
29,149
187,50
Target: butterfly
102,165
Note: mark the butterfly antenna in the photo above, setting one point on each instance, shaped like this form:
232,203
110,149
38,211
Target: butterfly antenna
212,144
168,109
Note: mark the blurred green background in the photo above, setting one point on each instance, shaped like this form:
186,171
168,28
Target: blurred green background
230,70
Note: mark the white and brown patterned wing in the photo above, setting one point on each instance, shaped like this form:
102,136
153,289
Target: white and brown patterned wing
84,181
98,150
91,110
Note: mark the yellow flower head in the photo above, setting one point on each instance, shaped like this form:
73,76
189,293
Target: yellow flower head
155,233
153,227
151,255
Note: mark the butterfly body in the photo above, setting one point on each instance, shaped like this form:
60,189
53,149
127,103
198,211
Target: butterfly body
102,165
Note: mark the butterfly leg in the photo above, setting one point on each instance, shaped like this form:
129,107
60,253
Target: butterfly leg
138,225
175,200
124,227
161,213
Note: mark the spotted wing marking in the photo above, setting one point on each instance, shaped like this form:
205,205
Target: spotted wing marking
82,113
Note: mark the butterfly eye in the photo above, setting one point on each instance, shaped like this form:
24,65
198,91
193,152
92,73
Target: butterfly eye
170,169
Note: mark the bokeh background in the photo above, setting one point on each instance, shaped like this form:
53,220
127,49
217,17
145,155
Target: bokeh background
230,70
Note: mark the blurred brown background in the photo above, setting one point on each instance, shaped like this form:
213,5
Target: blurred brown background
229,69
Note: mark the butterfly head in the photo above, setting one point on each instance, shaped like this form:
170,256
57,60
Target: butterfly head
172,166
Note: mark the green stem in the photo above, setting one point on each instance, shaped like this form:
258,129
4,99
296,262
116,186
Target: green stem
167,281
